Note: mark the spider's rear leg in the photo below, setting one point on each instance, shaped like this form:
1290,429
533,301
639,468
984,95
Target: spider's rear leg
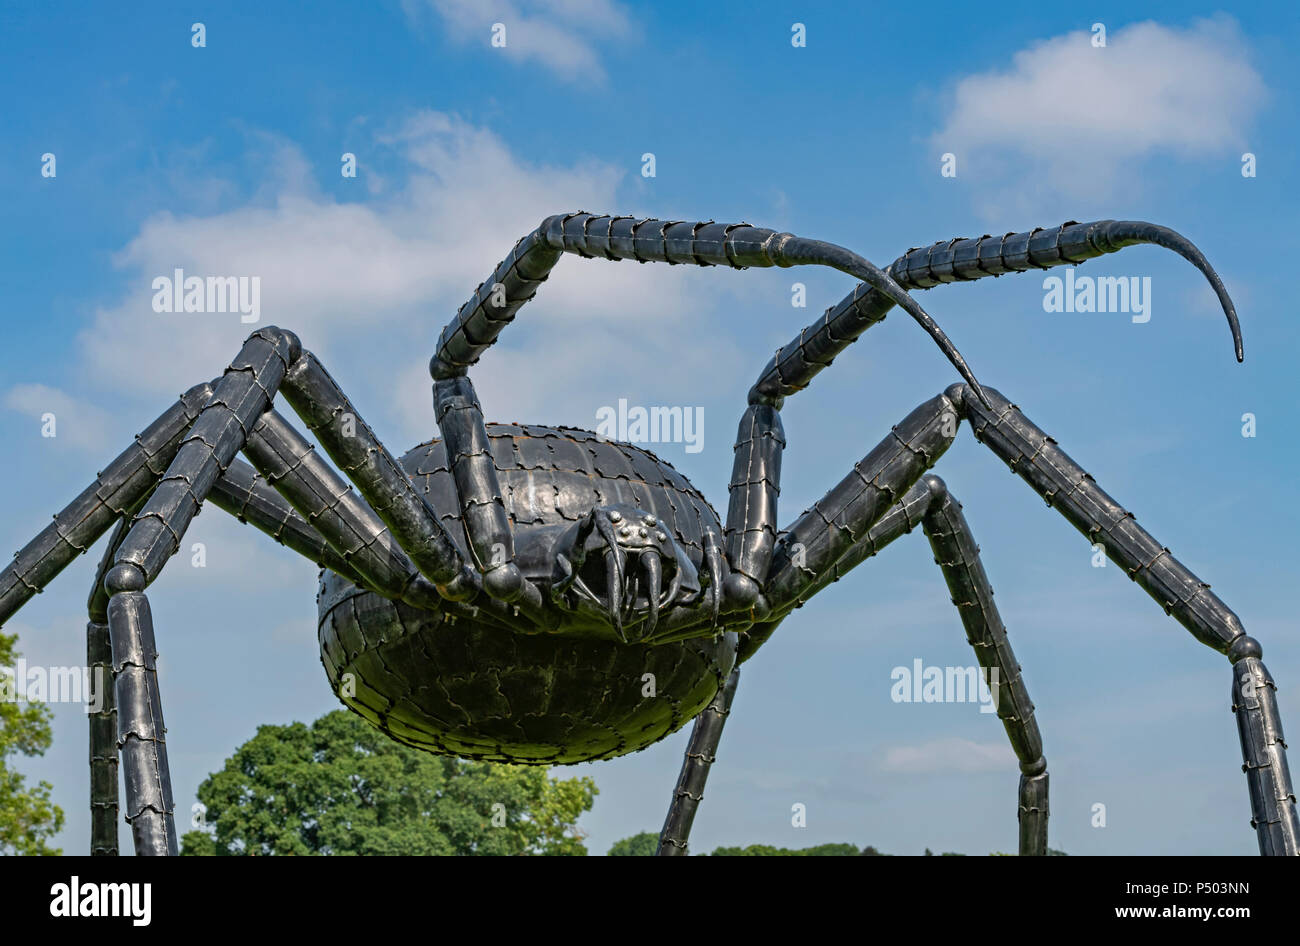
822,536
331,417
344,521
220,430
195,441
102,714
478,489
1037,459
246,495
701,753
114,496
238,409
141,732
114,492
957,554
858,517
930,505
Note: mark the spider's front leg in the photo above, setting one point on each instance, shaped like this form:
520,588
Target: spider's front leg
1036,458
878,501
750,539
797,576
487,528
850,525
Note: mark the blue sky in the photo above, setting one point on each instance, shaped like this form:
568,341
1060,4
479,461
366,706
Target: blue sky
226,159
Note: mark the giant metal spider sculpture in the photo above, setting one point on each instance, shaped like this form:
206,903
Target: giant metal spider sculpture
502,593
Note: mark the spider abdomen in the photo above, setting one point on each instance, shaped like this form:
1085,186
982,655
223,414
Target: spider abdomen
480,688
477,690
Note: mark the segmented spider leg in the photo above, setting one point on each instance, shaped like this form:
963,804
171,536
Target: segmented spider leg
701,752
366,462
102,714
238,398
751,522
141,732
901,518
103,740
885,497
738,245
930,504
956,553
245,494
483,511
1036,459
290,465
83,521
1263,747
796,363
811,546
752,507
242,393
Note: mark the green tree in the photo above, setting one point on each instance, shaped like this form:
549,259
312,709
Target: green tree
638,845
27,817
342,787
765,850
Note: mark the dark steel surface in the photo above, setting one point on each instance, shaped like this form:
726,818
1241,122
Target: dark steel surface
482,687
701,753
141,733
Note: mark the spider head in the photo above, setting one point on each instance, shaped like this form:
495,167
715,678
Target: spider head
624,564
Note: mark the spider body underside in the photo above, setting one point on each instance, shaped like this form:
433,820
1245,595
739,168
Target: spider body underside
494,688
540,595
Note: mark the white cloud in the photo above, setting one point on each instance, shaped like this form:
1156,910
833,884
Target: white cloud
77,423
563,36
949,755
368,286
1067,116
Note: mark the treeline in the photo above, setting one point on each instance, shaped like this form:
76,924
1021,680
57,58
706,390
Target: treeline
645,843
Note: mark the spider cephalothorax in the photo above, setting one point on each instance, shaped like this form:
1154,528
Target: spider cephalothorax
543,595
620,560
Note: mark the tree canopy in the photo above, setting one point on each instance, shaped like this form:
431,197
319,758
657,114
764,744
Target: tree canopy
638,845
28,819
766,850
646,842
340,786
